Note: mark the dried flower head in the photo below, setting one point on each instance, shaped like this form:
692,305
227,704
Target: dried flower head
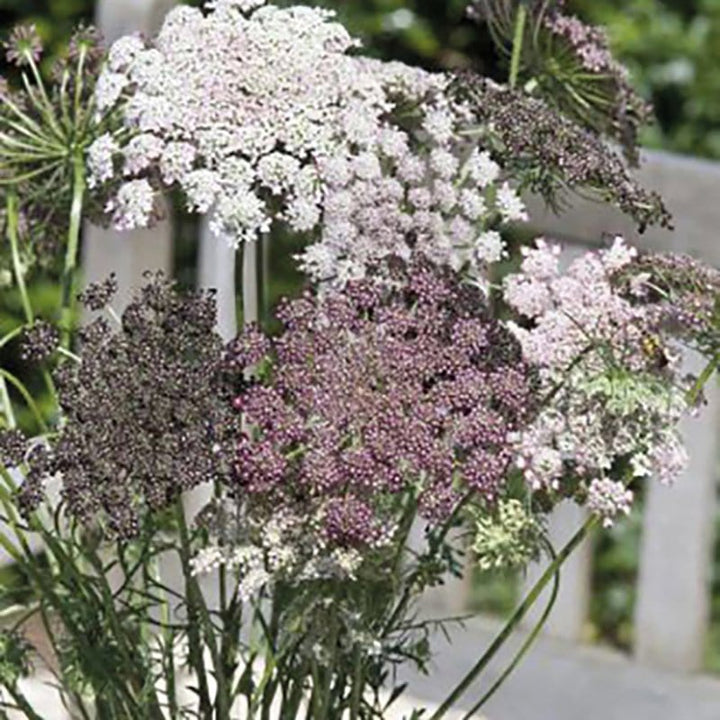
40,342
98,295
23,46
13,446
146,411
550,153
86,43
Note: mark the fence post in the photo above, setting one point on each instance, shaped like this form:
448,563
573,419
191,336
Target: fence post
128,255
673,602
216,269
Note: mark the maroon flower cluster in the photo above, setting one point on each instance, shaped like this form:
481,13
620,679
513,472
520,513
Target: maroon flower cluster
146,411
375,393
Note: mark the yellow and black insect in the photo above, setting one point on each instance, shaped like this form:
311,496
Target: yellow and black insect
654,350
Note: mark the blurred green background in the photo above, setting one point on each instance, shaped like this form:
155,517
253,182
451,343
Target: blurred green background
672,48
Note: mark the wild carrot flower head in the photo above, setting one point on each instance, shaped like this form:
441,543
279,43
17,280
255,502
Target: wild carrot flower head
374,395
261,114
145,414
609,371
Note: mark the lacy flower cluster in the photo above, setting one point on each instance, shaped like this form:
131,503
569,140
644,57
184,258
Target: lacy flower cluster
373,398
260,114
684,293
610,374
145,410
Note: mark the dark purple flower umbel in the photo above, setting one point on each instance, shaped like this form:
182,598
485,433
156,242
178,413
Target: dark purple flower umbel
373,394
145,410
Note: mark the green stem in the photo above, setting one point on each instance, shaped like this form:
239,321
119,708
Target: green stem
696,390
71,252
195,644
520,22
27,397
357,683
7,408
525,647
516,619
11,335
12,233
434,543
331,669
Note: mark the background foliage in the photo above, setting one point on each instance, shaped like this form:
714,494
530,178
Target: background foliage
672,48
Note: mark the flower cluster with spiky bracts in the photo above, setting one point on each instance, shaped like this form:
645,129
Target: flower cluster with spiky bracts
550,154
45,129
367,154
609,371
569,64
375,394
146,411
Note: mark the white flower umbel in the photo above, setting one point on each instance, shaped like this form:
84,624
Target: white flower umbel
615,393
260,114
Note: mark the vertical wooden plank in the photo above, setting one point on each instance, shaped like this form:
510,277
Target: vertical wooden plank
116,18
570,613
672,609
216,260
128,255
250,290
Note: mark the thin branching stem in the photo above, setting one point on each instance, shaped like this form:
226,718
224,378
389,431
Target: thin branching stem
515,620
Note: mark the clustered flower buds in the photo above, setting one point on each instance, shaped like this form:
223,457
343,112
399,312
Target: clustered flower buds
40,342
23,46
614,392
376,393
146,412
96,296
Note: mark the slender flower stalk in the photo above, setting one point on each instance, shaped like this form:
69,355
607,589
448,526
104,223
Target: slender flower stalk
520,22
12,234
68,301
514,621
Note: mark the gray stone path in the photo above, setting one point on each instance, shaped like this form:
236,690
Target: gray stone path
559,681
